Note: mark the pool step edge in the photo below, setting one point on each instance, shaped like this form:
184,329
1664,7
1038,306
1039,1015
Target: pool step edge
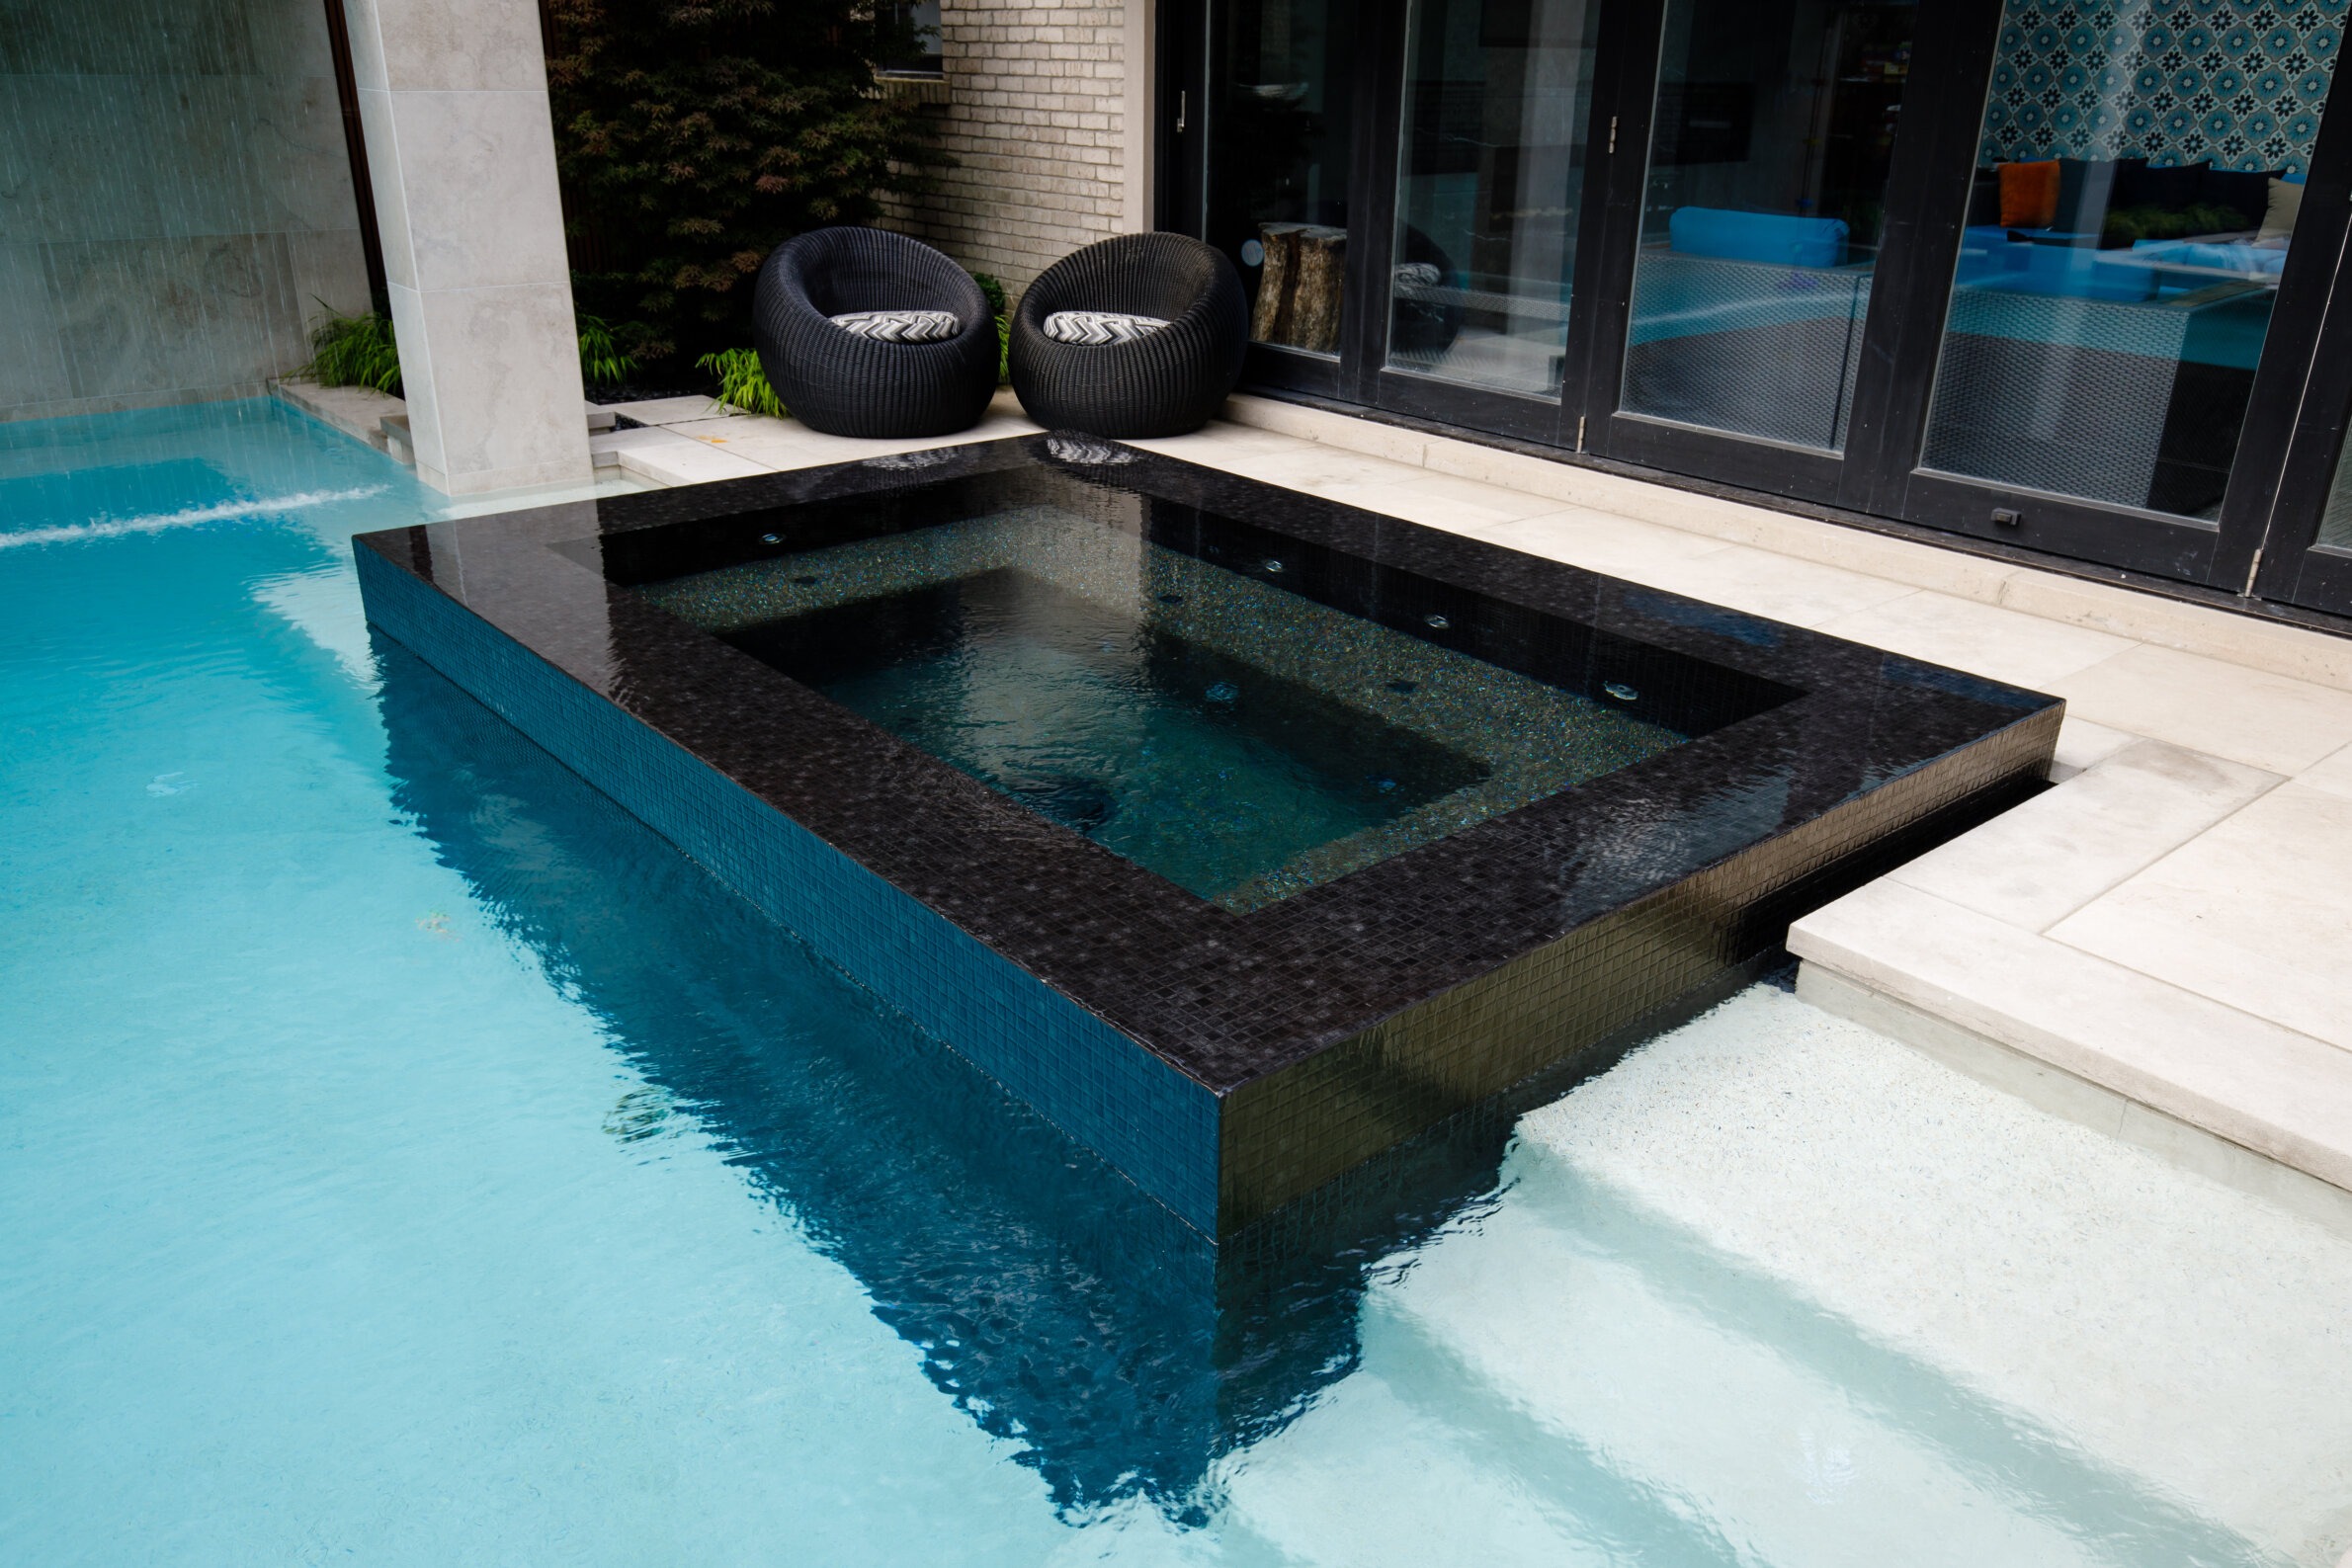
2236,1099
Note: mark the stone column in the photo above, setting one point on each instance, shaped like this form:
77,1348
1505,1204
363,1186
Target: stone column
461,151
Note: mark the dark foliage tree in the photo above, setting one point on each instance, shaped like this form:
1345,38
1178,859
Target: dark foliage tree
693,137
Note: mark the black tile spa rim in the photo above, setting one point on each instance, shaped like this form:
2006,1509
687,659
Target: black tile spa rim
1224,998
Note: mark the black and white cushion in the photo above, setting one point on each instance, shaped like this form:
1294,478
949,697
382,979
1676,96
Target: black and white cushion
900,326
1097,327
1079,449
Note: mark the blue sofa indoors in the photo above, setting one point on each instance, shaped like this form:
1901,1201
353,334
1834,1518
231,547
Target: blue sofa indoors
1768,237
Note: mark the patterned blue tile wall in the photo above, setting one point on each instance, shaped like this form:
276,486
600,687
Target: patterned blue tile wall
2174,81
1093,1082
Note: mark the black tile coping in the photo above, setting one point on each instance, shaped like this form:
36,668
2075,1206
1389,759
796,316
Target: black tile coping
1229,1062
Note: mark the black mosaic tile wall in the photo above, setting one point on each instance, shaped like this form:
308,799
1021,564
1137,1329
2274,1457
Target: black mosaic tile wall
1290,1133
1229,1062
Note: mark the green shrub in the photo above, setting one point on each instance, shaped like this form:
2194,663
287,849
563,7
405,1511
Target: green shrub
355,350
694,137
360,350
742,382
994,288
602,364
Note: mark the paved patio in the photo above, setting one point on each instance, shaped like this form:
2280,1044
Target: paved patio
2157,946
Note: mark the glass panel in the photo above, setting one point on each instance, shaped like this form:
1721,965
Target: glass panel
1495,101
1768,157
925,58
2335,523
2136,190
1278,132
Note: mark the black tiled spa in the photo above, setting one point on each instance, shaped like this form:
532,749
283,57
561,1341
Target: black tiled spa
1242,834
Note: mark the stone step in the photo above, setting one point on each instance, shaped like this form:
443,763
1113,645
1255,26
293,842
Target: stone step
1983,993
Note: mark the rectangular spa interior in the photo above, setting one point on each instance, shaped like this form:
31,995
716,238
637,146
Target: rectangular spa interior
1243,835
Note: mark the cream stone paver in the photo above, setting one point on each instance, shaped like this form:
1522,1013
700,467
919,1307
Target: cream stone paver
617,441
1601,542
1982,639
671,411
1219,437
1801,593
1316,470
679,459
2253,641
2256,913
2332,772
1312,425
785,444
2039,863
719,427
2264,720
2274,1090
2083,744
1459,504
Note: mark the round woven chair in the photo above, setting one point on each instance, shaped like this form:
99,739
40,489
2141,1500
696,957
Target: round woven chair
843,385
1164,383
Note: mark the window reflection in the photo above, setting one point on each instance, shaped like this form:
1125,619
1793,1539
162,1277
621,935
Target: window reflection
1278,164
1498,93
2137,193
1770,144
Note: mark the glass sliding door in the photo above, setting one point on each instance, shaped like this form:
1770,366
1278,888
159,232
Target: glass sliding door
2138,182
1280,122
1491,172
1771,139
2335,519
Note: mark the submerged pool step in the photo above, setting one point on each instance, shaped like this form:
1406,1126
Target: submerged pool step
1671,1397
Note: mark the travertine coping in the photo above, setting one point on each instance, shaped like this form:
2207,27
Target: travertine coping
2147,617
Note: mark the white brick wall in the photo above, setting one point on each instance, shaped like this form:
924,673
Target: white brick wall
1036,120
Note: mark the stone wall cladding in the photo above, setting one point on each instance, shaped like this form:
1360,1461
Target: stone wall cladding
176,210
1035,122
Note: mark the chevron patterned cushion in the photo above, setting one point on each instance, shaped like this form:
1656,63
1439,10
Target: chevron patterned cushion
901,326
1099,326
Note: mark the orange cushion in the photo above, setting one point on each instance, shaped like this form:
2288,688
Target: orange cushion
2029,194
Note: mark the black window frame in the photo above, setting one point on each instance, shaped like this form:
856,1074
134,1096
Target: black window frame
2298,417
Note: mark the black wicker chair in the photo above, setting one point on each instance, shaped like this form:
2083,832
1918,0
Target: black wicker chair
1163,383
848,385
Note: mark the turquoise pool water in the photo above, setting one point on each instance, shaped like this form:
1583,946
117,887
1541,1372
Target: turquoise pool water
404,1158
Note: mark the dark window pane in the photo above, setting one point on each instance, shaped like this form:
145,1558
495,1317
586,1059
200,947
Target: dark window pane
1498,93
924,60
1278,163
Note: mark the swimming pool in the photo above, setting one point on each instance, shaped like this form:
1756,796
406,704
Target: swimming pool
407,1157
